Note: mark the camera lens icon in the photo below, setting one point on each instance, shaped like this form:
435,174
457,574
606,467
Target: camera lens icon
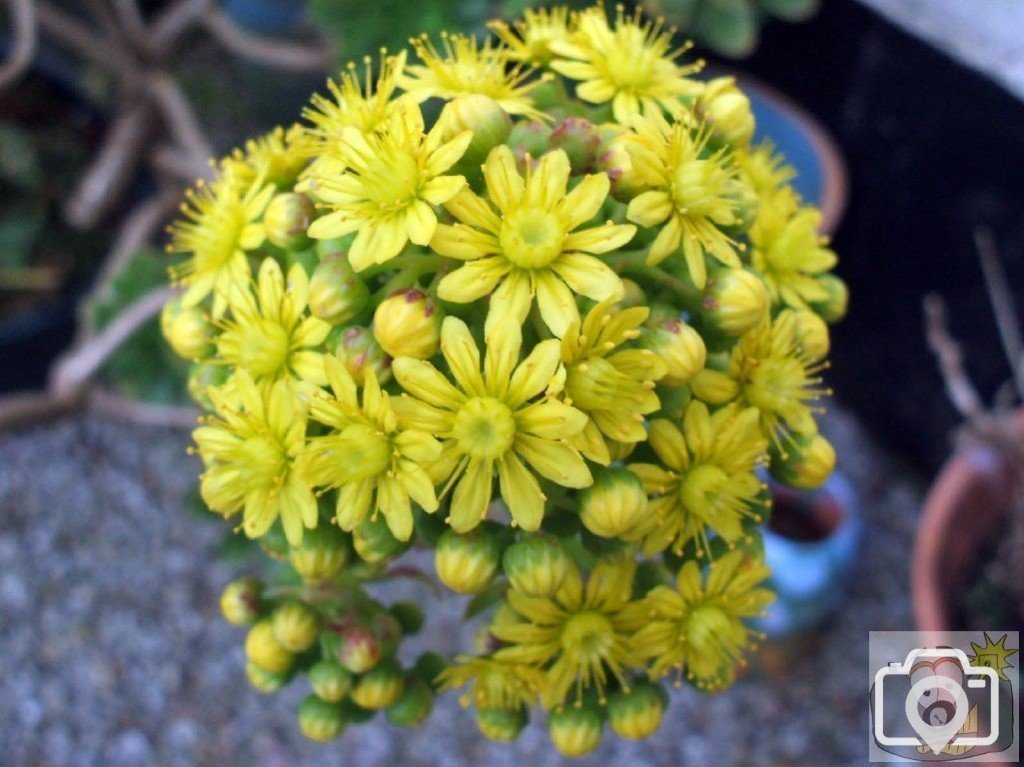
936,708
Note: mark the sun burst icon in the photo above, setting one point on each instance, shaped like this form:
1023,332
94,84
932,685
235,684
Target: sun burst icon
993,655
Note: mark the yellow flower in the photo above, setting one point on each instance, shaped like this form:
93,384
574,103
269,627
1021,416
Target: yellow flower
277,158
764,169
611,383
368,457
530,39
270,333
580,636
220,225
788,251
494,421
707,479
631,64
771,370
698,626
248,449
389,183
522,243
691,194
356,102
494,683
462,66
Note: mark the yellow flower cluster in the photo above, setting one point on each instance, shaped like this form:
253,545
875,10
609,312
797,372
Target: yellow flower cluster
540,303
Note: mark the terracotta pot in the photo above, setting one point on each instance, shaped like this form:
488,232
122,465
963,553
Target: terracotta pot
965,508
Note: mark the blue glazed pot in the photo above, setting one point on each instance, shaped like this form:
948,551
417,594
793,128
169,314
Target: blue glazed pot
269,17
811,546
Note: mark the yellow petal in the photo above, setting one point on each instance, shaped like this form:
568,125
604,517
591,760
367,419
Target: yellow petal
504,184
353,503
587,276
535,372
585,200
473,281
461,354
260,513
600,239
547,184
472,496
463,243
270,287
550,419
417,484
422,380
649,208
556,303
440,190
472,209
393,502
512,300
554,460
420,223
668,443
697,427
521,493
503,342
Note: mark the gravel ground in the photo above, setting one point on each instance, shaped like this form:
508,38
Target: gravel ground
112,652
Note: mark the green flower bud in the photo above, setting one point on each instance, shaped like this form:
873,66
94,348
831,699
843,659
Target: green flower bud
295,626
502,724
536,565
240,601
633,295
187,330
735,300
358,650
575,731
413,707
263,649
580,140
320,720
727,109
679,346
490,124
803,461
275,543
265,681
336,294
379,687
202,377
614,159
833,307
330,680
428,667
374,542
409,616
408,324
286,220
387,629
636,714
322,555
529,137
361,352
615,506
812,333
714,386
466,563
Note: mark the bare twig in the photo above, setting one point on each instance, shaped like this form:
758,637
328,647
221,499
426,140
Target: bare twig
961,391
26,33
133,26
112,167
178,115
275,53
1007,319
72,34
29,408
172,24
106,20
73,370
180,165
110,403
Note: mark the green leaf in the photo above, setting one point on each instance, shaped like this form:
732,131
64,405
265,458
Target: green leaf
485,600
727,26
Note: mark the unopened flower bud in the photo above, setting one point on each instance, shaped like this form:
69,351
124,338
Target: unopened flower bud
490,124
358,649
529,138
203,376
637,713
373,541
679,346
615,505
321,556
466,563
336,294
286,220
360,351
833,308
501,724
536,565
263,649
714,386
580,140
408,324
187,330
614,158
812,334
727,109
387,629
409,616
735,300
330,680
379,687
240,601
803,461
320,720
413,707
295,626
265,681
575,731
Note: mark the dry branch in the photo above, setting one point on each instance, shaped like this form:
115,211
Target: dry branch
314,57
25,34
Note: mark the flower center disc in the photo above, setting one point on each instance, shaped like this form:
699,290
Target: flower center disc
263,347
531,238
484,428
775,384
697,186
699,487
262,460
590,635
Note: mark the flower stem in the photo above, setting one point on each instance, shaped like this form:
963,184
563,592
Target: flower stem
634,263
